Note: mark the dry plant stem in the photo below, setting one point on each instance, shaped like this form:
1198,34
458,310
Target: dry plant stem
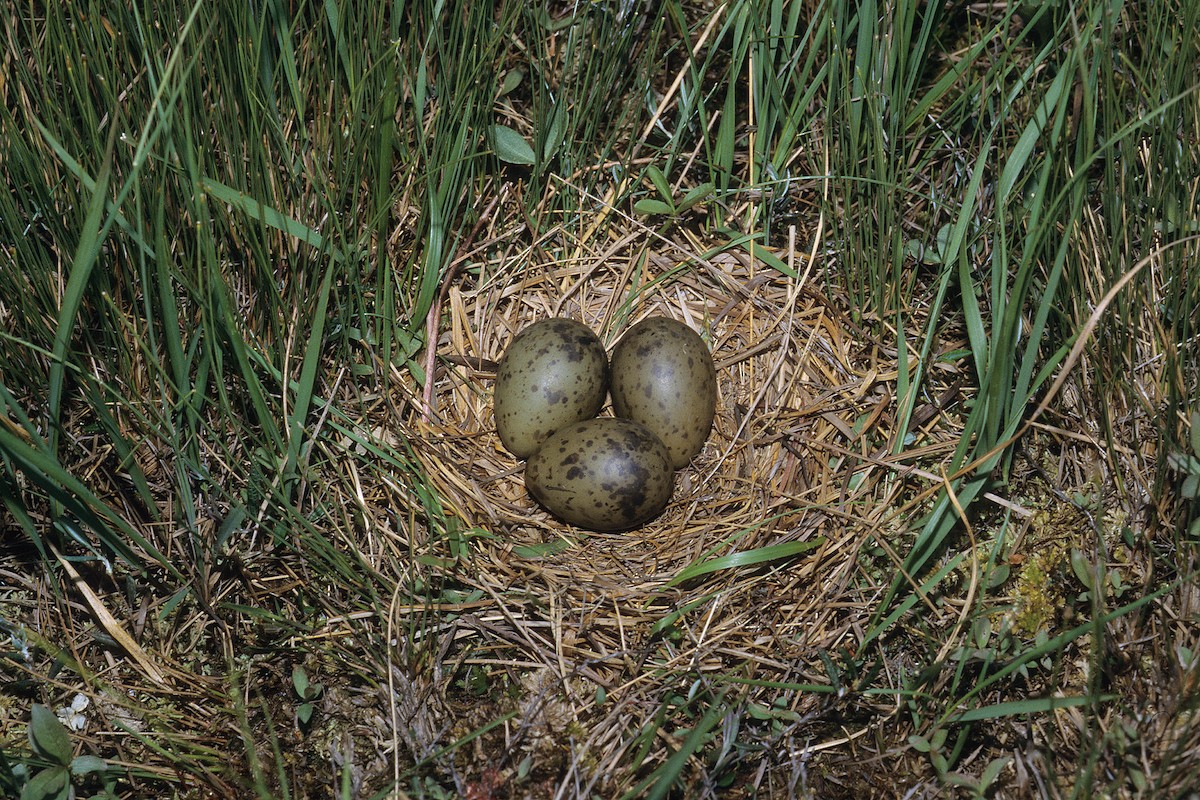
435,311
789,308
909,469
110,623
969,603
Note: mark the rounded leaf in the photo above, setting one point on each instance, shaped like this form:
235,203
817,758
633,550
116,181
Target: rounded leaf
86,765
511,146
52,782
300,680
649,206
47,735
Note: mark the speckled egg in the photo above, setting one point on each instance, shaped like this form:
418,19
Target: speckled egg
662,376
554,372
603,474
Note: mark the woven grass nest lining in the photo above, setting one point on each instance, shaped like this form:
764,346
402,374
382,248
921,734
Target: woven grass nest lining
799,453
799,392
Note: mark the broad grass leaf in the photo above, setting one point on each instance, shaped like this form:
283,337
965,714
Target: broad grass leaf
256,209
1033,705
511,147
759,555
542,550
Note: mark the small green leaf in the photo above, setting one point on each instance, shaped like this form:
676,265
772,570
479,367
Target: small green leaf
511,147
943,242
959,779
983,632
86,765
300,680
649,206
1138,778
696,195
557,132
993,770
919,743
998,575
48,737
1187,658
49,784
1195,433
758,711
304,713
420,91
1191,486
554,25
512,79
1082,568
659,180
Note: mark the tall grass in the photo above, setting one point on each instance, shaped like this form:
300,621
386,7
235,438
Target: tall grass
201,217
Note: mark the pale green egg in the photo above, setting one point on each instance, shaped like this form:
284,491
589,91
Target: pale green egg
554,372
603,474
662,376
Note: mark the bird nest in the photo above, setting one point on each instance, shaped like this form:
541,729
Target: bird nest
749,576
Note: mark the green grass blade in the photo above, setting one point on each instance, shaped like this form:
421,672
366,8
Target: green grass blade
302,403
90,185
748,558
1022,708
256,209
662,780
77,283
68,492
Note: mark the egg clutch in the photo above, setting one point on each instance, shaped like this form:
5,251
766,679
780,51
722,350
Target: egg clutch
605,473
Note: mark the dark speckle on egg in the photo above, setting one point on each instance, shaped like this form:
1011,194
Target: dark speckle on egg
662,375
554,373
617,475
